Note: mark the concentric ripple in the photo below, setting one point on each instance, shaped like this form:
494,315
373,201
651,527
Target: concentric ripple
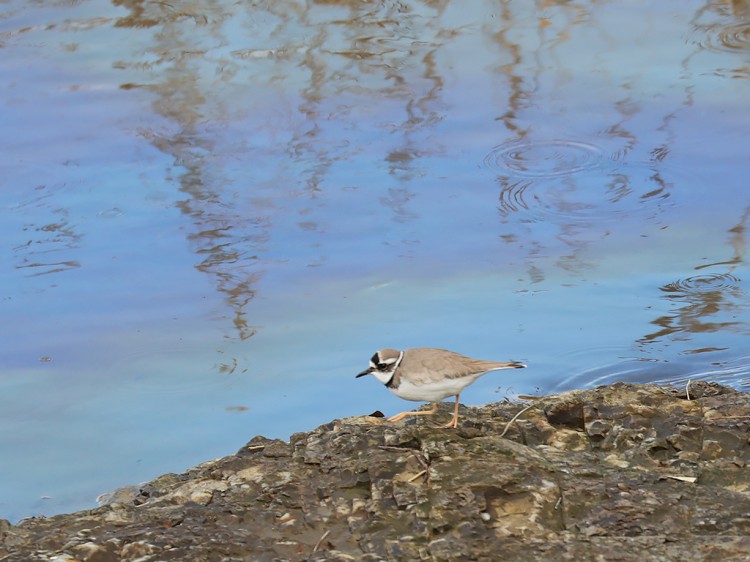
734,372
543,158
592,366
732,38
590,195
702,284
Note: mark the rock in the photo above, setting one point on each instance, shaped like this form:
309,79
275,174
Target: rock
621,472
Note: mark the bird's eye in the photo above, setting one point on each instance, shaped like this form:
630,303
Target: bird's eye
382,366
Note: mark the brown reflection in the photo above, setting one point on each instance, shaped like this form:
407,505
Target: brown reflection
706,303
564,201
527,201
422,113
333,57
703,304
580,207
47,246
740,9
548,213
224,237
361,54
736,241
328,59
519,92
723,27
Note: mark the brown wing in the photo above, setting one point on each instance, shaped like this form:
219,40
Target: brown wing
426,364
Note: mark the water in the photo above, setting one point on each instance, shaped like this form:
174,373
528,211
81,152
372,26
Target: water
215,212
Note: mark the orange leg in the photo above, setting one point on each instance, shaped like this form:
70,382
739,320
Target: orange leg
454,422
402,415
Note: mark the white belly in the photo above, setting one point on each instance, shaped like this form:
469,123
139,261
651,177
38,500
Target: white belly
434,391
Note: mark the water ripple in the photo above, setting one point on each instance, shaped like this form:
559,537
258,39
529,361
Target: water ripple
734,373
608,364
732,38
590,195
173,370
550,158
701,284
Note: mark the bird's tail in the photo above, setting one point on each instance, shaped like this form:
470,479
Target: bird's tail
495,366
514,365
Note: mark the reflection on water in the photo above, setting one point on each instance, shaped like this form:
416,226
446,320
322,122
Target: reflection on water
737,242
702,304
588,197
544,158
723,26
732,37
707,303
731,372
49,238
217,210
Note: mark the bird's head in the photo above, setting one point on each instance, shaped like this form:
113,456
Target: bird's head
383,364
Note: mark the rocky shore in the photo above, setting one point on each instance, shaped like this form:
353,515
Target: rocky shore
621,472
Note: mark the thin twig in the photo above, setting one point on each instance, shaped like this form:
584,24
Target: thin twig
687,389
507,426
317,546
691,479
413,478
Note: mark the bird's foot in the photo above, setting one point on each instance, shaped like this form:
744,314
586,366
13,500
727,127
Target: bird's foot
398,417
453,423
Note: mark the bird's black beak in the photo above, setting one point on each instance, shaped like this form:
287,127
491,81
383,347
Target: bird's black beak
367,371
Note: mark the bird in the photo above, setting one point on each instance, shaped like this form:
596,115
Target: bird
428,374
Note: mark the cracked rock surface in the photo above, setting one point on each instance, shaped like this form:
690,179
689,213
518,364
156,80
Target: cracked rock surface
619,472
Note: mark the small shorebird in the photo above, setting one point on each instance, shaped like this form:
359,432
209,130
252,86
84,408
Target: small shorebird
427,374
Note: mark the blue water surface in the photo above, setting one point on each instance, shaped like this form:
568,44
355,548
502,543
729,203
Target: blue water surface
215,212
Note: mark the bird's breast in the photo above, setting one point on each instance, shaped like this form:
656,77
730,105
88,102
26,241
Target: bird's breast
432,391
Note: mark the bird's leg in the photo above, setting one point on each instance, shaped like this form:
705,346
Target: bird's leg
402,415
454,422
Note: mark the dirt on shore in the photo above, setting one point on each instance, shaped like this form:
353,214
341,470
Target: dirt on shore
620,472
